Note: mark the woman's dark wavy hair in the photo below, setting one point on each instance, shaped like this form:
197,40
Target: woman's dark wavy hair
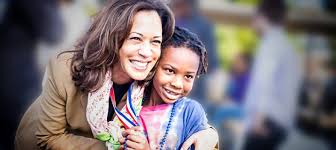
98,49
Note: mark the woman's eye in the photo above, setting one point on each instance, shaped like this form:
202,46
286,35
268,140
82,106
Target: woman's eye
157,41
135,38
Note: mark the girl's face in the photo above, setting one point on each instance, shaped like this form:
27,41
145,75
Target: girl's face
142,48
175,74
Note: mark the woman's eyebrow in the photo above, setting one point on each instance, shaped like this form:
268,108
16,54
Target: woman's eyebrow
158,36
137,33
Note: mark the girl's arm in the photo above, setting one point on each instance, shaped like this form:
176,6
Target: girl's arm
136,139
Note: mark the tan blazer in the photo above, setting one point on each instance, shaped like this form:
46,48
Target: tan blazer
57,120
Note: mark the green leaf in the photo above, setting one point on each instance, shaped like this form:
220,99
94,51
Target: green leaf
104,136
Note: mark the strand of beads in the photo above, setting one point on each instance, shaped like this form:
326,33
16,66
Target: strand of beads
164,138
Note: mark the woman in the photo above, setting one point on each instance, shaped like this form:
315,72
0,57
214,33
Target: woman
123,44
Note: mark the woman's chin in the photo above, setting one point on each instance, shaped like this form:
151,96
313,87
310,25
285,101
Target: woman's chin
138,75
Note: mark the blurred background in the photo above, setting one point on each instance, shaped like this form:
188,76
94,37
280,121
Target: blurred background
268,82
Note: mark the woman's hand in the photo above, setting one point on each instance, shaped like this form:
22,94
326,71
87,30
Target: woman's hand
135,139
205,139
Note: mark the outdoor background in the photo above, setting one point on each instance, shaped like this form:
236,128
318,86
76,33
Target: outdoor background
311,28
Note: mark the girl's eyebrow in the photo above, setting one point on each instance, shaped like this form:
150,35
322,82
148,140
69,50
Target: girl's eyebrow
191,72
169,65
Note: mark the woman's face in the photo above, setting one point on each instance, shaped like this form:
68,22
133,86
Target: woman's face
142,48
175,74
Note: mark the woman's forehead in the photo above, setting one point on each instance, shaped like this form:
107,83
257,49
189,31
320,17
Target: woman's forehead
147,23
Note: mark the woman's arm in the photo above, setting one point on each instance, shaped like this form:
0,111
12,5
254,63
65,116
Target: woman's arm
52,130
200,133
204,139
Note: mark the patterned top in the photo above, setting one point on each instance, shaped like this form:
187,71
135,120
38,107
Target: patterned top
189,118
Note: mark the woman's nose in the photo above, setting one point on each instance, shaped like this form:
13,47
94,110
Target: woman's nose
145,50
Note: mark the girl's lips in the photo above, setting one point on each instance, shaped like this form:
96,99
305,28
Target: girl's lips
171,94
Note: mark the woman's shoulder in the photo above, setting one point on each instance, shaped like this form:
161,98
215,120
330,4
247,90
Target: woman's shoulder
61,61
58,76
59,70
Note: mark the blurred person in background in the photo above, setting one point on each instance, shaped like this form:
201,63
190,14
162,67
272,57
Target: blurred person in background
239,77
327,118
78,11
275,78
310,97
227,116
3,7
23,25
187,15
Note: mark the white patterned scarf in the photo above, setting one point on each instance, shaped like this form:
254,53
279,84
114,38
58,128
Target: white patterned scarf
97,111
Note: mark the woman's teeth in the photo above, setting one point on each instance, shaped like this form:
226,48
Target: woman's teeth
139,65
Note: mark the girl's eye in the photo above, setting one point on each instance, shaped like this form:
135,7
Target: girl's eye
169,71
189,76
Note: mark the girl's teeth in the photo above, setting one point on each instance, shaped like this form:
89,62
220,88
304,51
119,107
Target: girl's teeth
170,92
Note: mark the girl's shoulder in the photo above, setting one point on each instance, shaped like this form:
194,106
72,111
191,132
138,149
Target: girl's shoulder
189,104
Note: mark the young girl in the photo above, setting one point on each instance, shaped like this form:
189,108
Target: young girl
168,118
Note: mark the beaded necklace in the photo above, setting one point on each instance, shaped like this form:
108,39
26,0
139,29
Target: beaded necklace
164,138
172,113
